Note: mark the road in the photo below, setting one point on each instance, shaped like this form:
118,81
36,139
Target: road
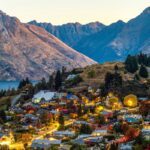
47,130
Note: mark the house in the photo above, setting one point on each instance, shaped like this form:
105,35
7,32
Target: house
64,133
132,118
125,146
146,133
99,132
71,77
79,123
93,140
5,139
54,141
143,98
71,97
80,139
60,95
90,89
40,144
55,112
123,111
44,95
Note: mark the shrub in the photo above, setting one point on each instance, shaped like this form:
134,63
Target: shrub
91,74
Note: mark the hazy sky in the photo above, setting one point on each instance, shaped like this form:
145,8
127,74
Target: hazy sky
83,11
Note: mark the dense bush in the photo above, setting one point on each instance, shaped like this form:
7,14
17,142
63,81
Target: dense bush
74,81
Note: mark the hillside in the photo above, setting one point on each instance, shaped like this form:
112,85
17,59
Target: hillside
29,51
130,85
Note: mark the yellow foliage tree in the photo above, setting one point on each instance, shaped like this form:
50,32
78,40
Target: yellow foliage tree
130,100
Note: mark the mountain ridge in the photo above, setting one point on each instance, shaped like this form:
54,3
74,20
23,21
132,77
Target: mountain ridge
70,33
131,37
30,51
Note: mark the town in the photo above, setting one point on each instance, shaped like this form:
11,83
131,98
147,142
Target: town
91,118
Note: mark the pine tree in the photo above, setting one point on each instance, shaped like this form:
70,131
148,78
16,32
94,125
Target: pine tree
58,80
61,120
50,83
131,64
143,59
143,72
79,111
23,83
113,80
63,72
116,68
43,84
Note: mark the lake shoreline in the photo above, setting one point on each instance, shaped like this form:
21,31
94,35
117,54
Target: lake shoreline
6,85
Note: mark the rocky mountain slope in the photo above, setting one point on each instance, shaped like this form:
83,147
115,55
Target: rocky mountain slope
29,51
71,33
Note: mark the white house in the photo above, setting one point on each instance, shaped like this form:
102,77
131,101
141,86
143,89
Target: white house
45,95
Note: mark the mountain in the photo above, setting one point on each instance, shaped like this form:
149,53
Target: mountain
116,41
106,43
97,45
135,36
71,33
30,51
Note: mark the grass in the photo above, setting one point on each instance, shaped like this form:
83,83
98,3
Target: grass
4,102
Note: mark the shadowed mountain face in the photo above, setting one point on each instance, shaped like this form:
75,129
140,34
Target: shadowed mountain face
97,45
29,51
116,41
71,33
106,43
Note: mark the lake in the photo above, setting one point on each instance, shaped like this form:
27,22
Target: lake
5,85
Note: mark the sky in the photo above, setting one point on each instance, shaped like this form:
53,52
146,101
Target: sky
83,11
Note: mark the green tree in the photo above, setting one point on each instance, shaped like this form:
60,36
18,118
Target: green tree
91,74
131,64
113,80
58,80
78,147
79,111
116,68
50,83
23,83
3,115
61,120
43,84
101,119
144,59
136,77
85,129
143,72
